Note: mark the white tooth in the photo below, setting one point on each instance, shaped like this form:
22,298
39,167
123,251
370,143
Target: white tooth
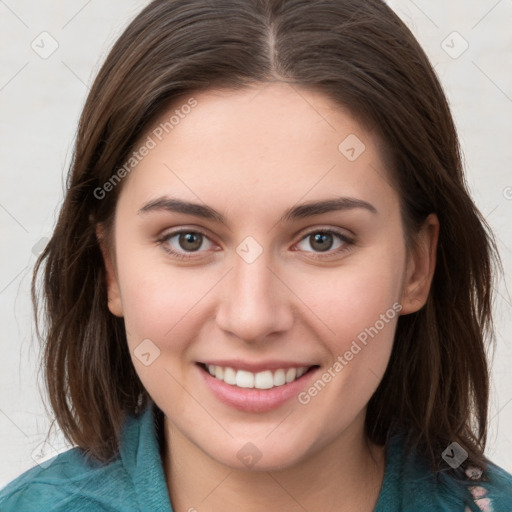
244,379
291,373
279,378
301,371
230,376
219,372
261,380
264,380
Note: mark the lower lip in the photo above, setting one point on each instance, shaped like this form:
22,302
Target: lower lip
255,400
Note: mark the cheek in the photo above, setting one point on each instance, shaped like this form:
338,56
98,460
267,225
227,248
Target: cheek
160,313
361,308
155,304
352,297
163,303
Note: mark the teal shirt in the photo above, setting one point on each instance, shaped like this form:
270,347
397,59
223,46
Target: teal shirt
135,481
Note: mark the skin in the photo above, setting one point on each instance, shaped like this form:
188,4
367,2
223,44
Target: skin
251,155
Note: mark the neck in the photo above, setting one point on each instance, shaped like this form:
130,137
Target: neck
345,475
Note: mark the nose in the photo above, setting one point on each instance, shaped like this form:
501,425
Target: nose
254,301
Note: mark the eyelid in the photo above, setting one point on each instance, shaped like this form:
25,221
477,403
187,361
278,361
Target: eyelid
343,232
168,233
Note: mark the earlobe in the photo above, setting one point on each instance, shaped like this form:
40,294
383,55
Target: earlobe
114,296
420,269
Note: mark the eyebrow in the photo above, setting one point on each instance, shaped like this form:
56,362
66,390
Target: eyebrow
296,212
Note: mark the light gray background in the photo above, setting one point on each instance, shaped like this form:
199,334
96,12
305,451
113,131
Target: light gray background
41,101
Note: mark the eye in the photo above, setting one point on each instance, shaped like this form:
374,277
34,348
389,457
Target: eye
324,241
182,244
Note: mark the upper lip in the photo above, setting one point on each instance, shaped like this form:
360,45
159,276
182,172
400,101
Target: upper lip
254,367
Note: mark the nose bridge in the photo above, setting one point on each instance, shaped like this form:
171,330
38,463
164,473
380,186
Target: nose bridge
254,302
252,281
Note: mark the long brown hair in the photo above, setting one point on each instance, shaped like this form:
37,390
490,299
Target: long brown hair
361,56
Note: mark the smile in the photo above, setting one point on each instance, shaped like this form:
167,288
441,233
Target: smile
255,387
266,379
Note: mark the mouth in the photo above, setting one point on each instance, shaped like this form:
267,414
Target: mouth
262,380
268,387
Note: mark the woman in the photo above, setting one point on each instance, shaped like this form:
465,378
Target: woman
268,287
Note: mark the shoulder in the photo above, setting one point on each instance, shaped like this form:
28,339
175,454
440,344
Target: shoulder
410,485
491,490
70,481
471,489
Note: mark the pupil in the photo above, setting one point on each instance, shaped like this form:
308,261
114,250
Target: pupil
190,238
324,240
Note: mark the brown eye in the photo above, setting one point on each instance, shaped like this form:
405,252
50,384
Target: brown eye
325,241
190,241
183,244
321,241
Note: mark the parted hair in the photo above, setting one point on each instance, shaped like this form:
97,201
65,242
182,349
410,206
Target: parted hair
360,55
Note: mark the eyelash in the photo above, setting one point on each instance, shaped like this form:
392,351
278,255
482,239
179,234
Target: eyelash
347,243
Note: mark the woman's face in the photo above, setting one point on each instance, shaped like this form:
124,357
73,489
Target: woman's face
291,259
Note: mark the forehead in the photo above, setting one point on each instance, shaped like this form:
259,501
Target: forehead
276,141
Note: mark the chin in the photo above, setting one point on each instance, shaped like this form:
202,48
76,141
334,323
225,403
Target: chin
254,457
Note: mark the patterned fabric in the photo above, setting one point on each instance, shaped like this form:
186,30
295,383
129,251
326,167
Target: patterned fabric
479,493
410,486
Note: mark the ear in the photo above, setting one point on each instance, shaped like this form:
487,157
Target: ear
421,263
114,296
